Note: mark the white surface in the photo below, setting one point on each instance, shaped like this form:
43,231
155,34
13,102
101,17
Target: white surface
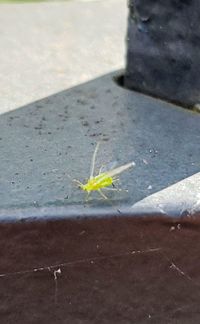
179,199
49,47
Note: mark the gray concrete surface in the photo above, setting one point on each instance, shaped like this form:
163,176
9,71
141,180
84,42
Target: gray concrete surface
49,47
44,142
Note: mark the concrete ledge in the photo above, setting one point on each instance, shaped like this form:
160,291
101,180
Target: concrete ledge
44,142
181,200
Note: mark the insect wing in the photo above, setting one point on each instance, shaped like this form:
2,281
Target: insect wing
120,169
108,166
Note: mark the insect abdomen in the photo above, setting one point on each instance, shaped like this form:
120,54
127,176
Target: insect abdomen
98,182
105,181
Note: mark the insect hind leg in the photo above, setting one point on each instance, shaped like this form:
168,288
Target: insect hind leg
87,196
116,189
102,194
115,180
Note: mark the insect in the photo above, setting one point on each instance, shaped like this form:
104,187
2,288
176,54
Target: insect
103,180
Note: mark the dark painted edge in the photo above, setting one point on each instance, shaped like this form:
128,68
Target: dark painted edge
81,213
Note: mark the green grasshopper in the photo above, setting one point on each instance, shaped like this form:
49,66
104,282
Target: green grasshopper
104,180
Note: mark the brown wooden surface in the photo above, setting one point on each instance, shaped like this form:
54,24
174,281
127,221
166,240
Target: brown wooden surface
100,271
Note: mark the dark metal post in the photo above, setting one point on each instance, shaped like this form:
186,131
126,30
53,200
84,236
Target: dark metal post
163,56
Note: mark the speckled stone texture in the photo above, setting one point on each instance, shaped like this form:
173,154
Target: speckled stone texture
163,49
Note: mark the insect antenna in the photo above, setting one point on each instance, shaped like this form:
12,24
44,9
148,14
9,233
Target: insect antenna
93,160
